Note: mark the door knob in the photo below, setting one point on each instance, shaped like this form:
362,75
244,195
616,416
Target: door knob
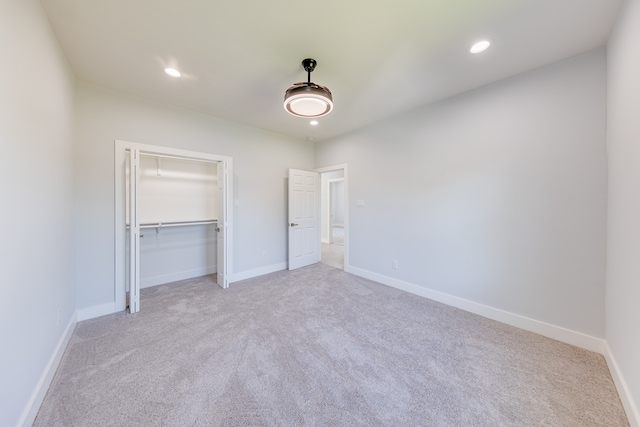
294,225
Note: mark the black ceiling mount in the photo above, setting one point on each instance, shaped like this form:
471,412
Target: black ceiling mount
309,65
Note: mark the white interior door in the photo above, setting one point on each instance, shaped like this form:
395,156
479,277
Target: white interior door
304,218
222,226
134,232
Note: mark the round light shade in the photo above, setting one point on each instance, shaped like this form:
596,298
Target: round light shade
308,100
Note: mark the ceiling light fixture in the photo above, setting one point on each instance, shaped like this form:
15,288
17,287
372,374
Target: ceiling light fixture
480,46
172,72
308,99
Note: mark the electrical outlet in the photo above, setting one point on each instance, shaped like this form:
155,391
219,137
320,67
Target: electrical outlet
58,317
264,254
394,264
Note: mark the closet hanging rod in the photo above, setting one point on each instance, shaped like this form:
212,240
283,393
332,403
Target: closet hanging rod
176,224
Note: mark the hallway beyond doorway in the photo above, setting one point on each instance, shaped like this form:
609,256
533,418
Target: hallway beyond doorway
337,235
333,255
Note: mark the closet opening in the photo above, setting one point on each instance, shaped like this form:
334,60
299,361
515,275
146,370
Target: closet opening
173,219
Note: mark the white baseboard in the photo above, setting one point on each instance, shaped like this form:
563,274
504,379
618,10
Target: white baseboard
257,272
568,336
96,311
174,277
31,411
633,414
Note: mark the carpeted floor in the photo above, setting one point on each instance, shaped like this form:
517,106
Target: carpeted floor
319,347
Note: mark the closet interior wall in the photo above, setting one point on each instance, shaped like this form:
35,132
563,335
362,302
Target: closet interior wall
172,193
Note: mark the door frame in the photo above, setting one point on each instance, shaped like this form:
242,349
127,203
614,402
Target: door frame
121,148
344,167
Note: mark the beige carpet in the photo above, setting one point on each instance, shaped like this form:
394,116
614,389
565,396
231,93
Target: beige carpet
319,347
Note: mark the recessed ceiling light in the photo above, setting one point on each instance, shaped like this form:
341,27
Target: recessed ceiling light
480,46
313,123
172,72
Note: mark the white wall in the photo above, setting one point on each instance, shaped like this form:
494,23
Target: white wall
36,182
497,196
179,190
260,161
177,253
623,146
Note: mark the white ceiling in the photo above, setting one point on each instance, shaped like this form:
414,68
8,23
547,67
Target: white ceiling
378,57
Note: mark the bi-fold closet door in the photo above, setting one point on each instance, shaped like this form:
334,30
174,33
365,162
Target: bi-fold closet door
183,208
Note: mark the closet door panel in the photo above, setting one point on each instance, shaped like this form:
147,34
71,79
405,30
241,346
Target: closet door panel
223,226
134,231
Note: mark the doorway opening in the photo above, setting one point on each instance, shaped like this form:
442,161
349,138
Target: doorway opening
334,216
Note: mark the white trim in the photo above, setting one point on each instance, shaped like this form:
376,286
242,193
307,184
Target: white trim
174,277
331,168
97,311
559,333
258,272
633,414
32,408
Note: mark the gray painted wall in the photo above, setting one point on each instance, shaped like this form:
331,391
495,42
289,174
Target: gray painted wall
497,196
623,144
36,181
260,161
